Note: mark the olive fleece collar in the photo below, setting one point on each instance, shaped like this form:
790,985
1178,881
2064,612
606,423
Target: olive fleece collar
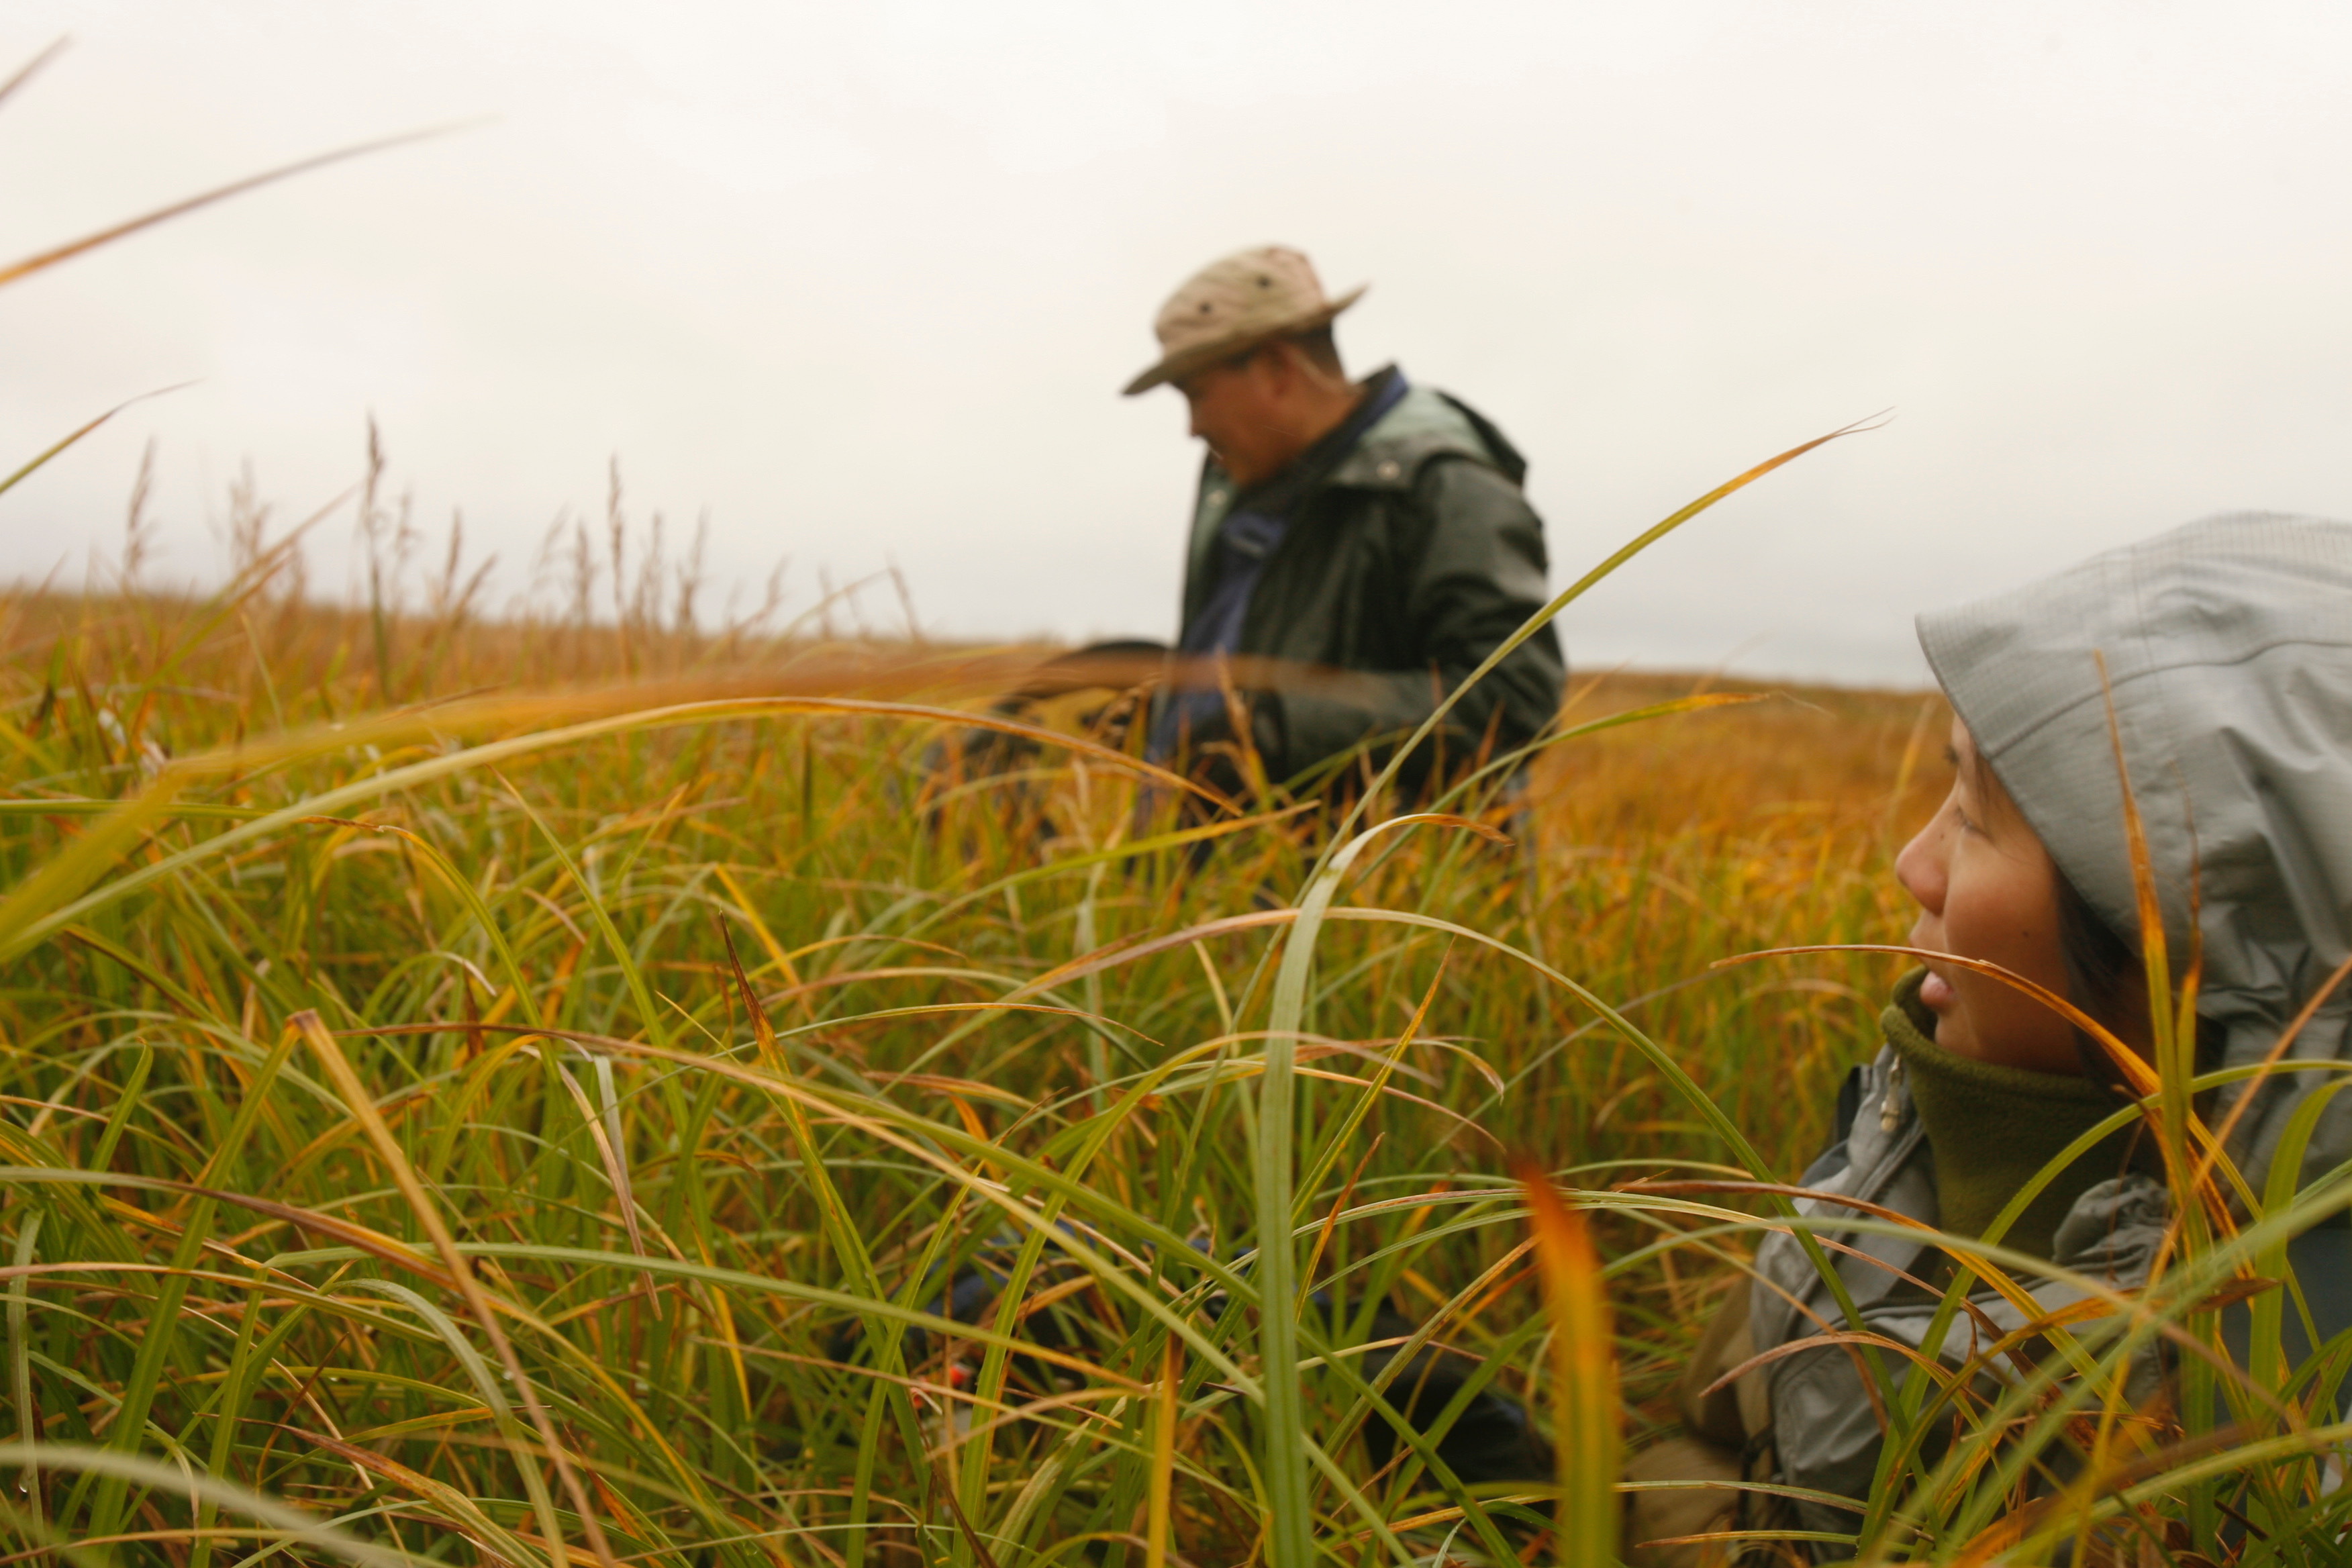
1994,1128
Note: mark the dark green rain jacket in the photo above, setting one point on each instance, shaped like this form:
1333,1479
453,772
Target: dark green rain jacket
1403,567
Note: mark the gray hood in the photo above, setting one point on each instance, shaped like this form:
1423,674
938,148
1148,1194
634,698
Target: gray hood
2228,647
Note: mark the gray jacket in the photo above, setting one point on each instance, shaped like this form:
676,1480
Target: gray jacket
1824,1428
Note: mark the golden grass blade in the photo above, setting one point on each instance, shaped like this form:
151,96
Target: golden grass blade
935,1147
13,481
2135,1073
1568,596
834,1218
292,1524
25,72
67,251
1585,1437
1523,757
2176,1113
37,806
1290,1516
64,878
1163,1458
1660,1059
2175,1063
1384,1067
31,913
616,1172
361,1105
20,1367
2287,1037
461,1511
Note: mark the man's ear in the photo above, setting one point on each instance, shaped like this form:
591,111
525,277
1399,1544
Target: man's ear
1285,367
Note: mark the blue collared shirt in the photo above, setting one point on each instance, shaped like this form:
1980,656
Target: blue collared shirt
1247,536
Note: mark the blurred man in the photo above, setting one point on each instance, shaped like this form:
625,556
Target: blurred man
1369,535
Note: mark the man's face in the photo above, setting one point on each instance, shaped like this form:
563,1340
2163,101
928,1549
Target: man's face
1987,888
1240,408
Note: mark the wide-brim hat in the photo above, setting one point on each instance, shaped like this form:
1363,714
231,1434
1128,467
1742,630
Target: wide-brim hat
1236,304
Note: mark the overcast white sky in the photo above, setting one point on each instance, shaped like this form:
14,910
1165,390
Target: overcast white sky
862,280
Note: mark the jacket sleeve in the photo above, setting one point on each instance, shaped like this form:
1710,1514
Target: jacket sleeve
1826,1429
1478,577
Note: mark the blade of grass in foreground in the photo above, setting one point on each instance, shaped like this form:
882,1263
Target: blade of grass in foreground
347,1084
287,1523
1584,1378
25,72
53,897
13,481
71,248
1290,1527
1164,1407
1560,602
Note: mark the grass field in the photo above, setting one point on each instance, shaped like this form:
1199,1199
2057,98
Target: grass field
402,1165
533,1091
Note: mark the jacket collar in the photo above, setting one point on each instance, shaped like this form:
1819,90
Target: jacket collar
1425,423
1383,391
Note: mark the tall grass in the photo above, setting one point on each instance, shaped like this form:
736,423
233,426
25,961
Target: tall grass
445,970
520,1091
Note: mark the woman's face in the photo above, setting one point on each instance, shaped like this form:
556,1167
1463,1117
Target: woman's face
1987,888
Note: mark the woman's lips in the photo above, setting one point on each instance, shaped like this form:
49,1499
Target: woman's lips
1935,992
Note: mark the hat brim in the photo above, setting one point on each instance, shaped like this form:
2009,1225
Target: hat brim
1200,356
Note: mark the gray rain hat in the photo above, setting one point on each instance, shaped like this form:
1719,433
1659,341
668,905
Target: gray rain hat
2227,645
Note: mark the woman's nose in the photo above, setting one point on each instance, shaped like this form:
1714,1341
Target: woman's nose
1920,866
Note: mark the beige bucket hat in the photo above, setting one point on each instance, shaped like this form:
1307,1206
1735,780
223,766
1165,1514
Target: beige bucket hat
1235,304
